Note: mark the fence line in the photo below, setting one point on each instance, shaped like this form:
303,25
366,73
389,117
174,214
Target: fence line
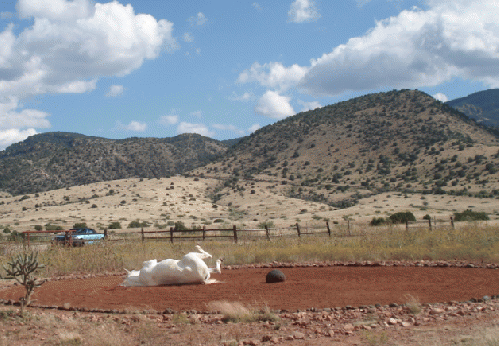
430,223
172,234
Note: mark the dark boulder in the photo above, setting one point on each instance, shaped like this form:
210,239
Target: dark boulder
275,276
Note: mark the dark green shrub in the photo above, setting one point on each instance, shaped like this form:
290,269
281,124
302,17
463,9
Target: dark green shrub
377,221
138,224
402,217
114,225
38,227
470,215
80,225
179,225
50,227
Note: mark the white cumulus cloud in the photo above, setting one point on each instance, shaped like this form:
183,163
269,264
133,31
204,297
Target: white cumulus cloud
134,126
273,105
273,74
11,116
10,136
201,129
441,97
307,106
168,119
253,128
69,45
115,90
451,39
303,11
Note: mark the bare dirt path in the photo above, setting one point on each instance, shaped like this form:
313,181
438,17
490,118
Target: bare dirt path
325,287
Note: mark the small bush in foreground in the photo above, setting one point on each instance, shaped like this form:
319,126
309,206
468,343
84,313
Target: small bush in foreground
237,312
24,266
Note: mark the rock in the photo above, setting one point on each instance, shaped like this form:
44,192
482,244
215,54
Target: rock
275,276
348,327
298,335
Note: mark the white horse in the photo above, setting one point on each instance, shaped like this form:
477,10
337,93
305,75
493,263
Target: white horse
190,270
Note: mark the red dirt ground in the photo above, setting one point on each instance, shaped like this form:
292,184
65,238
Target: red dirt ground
304,288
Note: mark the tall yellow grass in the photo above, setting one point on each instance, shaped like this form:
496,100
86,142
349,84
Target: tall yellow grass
474,242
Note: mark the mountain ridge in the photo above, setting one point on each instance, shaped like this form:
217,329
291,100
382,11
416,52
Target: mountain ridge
483,106
403,140
60,159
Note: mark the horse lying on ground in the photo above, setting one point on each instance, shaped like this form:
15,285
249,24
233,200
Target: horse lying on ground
189,270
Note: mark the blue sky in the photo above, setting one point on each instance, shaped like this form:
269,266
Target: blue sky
158,68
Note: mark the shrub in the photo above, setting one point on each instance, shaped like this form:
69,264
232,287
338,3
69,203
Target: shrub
138,224
114,225
180,226
377,221
38,227
24,266
16,236
50,227
470,215
402,217
80,225
269,224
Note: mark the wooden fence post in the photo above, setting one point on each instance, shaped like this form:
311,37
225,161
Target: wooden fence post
26,241
452,222
407,226
429,224
298,230
235,233
328,229
171,234
142,232
105,233
204,233
267,232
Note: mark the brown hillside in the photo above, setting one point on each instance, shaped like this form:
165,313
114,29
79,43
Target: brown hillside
53,160
396,141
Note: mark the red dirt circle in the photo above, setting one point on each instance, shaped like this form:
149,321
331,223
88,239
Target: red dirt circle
304,288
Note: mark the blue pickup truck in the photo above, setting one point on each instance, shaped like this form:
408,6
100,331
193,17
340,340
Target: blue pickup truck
78,237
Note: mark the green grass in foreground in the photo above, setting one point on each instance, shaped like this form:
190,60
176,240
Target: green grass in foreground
474,242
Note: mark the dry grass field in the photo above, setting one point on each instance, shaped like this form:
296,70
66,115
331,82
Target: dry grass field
161,202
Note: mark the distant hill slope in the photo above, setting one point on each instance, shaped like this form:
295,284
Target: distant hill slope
483,106
396,141
57,159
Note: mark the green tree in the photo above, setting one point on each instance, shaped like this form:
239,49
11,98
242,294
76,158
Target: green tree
402,217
